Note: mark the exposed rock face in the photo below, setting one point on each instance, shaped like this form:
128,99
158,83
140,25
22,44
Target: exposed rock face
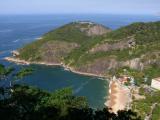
142,62
101,66
97,30
53,51
98,50
134,64
124,44
92,29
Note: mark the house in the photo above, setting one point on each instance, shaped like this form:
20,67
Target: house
156,83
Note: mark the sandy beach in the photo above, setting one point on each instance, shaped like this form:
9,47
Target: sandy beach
118,97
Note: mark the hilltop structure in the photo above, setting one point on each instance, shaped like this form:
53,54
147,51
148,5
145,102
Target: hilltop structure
87,47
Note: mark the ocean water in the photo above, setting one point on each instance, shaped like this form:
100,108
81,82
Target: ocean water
18,30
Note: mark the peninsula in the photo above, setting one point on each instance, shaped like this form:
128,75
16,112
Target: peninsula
90,48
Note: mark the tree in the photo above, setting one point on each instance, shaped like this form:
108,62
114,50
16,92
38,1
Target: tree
5,73
29,103
104,115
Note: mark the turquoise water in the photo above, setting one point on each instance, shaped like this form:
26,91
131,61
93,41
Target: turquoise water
52,78
16,31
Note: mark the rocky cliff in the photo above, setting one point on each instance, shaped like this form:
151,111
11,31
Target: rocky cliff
92,48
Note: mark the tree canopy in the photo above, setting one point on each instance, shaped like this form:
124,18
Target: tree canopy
29,103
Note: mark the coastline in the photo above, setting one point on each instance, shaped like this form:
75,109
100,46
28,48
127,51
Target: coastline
118,98
23,62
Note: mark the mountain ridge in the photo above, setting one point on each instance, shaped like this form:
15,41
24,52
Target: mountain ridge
88,47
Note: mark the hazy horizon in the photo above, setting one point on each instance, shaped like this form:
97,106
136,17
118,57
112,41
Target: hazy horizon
136,7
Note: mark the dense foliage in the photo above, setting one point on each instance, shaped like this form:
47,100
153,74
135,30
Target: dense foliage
139,76
143,32
68,33
149,105
145,35
4,71
66,106
29,103
23,72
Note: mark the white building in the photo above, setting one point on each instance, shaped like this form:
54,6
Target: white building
156,83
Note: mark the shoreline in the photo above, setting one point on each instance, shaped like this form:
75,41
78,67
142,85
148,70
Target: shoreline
23,62
118,97
115,94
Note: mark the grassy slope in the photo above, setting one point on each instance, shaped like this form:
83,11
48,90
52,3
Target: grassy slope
143,107
146,35
67,33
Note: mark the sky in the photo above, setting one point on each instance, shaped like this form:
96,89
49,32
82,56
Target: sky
80,6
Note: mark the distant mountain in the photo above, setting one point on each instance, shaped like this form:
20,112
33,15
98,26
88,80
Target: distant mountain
92,48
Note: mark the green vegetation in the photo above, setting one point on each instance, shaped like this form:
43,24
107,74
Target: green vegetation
139,76
144,106
24,72
120,55
145,36
31,51
29,103
74,56
68,33
4,71
143,32
71,45
156,113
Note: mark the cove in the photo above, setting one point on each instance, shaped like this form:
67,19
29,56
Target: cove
51,78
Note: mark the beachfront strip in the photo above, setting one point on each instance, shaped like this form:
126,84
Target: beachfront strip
119,96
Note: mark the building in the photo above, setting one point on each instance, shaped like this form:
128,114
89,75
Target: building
156,83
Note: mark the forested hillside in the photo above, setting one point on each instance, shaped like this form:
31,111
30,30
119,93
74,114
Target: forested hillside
92,48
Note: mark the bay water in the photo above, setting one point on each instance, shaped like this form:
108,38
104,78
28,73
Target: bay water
19,30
